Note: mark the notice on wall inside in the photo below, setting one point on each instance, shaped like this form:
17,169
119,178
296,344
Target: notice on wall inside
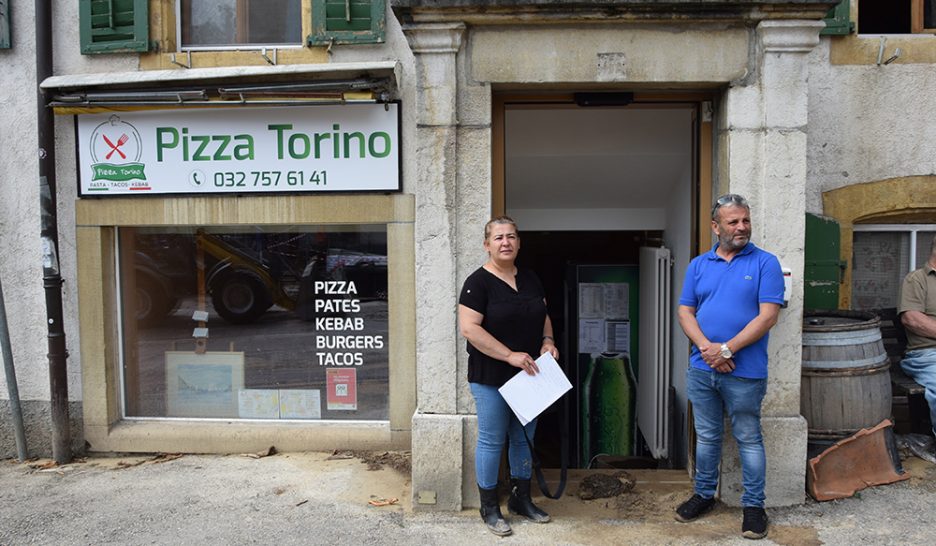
342,388
604,315
619,336
592,336
321,148
608,300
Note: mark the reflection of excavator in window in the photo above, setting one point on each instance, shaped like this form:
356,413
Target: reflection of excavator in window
245,274
241,287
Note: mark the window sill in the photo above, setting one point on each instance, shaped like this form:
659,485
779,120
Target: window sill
863,49
214,58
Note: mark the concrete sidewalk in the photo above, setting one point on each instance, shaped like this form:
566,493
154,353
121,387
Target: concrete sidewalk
310,498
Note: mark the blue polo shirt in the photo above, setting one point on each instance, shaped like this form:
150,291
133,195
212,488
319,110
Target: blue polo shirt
727,296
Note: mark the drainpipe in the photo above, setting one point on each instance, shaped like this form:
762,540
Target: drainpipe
51,276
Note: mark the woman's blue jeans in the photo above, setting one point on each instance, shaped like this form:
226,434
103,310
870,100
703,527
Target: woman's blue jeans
920,364
496,425
712,394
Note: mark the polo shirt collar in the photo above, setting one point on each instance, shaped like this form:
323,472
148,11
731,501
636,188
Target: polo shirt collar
748,248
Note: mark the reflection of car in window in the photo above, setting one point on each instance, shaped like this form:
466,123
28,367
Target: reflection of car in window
246,274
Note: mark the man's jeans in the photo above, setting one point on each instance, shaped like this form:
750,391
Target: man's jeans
920,364
711,394
497,423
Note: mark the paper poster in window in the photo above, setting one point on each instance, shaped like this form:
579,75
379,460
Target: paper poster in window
259,403
203,385
300,404
342,388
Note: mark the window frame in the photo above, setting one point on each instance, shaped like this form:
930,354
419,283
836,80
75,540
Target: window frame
95,224
234,47
917,9
912,229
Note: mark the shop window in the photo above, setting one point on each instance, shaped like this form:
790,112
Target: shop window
5,24
219,23
347,21
896,16
255,323
113,26
882,256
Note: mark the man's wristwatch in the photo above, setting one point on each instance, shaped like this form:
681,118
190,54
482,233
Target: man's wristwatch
725,351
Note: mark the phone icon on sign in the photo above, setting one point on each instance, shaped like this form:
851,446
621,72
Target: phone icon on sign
197,178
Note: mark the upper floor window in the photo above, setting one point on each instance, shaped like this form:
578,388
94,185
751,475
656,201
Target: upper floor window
896,16
882,255
214,23
122,26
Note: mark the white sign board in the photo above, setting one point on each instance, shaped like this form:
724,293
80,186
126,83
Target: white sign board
352,147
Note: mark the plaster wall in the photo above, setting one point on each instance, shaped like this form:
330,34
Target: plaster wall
867,122
20,253
20,250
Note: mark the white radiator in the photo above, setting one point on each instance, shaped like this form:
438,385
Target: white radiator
653,383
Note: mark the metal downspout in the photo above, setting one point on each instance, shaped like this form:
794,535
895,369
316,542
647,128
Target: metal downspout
51,276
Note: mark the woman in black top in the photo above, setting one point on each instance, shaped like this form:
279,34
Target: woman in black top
502,314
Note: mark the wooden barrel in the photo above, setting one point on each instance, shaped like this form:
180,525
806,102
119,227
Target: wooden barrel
845,377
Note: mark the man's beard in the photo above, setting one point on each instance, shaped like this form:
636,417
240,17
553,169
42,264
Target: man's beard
728,242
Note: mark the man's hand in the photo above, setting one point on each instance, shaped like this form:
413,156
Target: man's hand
711,354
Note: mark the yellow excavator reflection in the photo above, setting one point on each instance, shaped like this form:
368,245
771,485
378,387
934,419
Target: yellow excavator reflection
241,287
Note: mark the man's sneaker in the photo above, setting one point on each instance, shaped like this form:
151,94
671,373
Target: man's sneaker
693,508
755,523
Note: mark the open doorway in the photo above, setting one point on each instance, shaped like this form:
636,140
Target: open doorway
599,192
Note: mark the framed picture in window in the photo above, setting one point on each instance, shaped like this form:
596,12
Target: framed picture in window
203,385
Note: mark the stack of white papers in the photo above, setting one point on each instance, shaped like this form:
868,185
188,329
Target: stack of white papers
528,395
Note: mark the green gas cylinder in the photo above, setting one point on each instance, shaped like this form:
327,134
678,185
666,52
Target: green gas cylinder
608,396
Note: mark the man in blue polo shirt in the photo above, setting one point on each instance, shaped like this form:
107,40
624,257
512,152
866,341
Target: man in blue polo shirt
730,299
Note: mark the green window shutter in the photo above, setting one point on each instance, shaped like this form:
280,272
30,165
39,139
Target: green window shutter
114,26
348,21
5,24
838,21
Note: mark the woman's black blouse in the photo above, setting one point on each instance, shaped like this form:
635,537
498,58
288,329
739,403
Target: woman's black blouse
515,318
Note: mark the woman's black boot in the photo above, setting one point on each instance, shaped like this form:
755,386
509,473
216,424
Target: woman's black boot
521,504
491,514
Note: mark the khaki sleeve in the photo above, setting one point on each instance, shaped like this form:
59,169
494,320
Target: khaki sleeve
912,294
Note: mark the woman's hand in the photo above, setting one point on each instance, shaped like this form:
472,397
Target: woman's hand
549,347
523,361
